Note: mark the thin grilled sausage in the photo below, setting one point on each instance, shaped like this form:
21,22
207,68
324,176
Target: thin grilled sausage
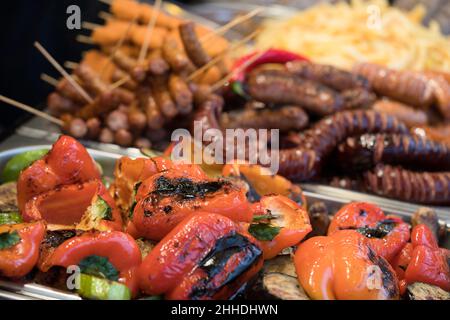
358,98
328,75
181,94
156,64
93,128
398,183
174,55
280,87
405,86
162,97
410,116
192,45
58,104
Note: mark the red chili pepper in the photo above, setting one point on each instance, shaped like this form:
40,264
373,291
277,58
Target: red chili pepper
118,247
428,262
164,199
269,56
203,257
387,234
283,213
19,259
52,206
68,162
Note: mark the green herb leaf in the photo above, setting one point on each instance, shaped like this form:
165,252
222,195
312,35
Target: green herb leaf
263,231
99,266
10,218
106,209
9,239
257,218
133,204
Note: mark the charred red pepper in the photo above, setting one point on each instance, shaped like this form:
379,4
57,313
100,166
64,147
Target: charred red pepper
343,266
68,162
204,257
387,234
428,262
111,247
19,248
88,204
164,199
280,214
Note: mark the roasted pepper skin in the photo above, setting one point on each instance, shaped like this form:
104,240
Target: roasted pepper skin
371,221
428,262
158,210
341,267
68,162
17,261
293,221
66,205
120,249
177,266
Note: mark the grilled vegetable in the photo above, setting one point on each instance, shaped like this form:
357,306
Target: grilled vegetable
10,218
320,219
102,289
276,286
8,197
19,162
424,291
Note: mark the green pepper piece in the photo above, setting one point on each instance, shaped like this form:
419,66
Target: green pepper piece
102,289
10,218
19,162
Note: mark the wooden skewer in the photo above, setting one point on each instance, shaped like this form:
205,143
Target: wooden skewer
242,67
220,56
105,15
50,80
223,29
119,82
64,73
32,110
89,25
148,33
71,65
84,39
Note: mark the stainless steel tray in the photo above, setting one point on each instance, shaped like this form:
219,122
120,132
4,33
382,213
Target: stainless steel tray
333,197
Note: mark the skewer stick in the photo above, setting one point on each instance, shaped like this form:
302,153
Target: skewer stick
222,54
148,33
50,80
105,15
120,82
84,39
61,70
223,29
32,110
242,67
89,25
71,65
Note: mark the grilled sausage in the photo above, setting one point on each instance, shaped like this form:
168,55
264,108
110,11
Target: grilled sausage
58,104
78,128
156,63
162,97
93,128
102,104
67,90
174,55
358,98
130,66
285,118
181,94
278,86
328,75
123,137
408,115
117,120
407,87
398,183
106,136
192,45
364,152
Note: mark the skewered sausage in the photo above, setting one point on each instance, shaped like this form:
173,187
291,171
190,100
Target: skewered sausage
407,87
174,55
278,86
123,137
162,97
137,120
192,45
142,143
102,104
181,94
117,120
156,64
402,184
66,89
285,118
77,128
93,128
130,66
366,151
58,104
328,75
408,115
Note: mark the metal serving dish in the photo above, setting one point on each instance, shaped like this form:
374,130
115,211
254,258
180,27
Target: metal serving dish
333,197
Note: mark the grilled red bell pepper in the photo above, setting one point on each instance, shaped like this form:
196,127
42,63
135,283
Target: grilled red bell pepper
343,266
387,234
119,248
164,199
72,204
280,214
428,262
19,248
203,257
269,56
68,162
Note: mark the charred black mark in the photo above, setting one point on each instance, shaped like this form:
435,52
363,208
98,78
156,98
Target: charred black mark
148,213
55,238
388,277
167,209
362,213
381,230
187,189
216,260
